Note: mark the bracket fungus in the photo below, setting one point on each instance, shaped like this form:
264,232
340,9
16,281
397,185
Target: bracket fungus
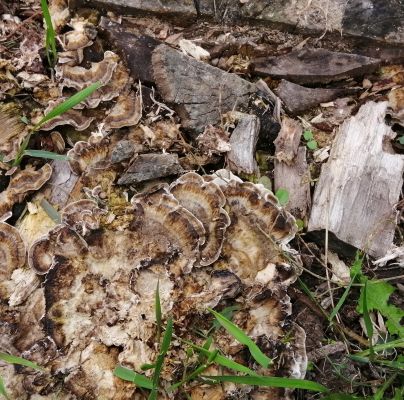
210,241
21,184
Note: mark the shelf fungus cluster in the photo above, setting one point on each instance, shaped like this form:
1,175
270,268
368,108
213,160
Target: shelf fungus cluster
211,241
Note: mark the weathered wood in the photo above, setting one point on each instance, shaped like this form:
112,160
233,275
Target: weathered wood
315,66
182,12
151,166
136,50
360,183
200,93
299,98
295,178
243,141
288,139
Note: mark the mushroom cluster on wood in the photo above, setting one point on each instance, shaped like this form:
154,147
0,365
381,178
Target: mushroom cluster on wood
211,241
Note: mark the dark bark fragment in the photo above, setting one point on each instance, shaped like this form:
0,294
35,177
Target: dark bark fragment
315,66
200,93
151,166
299,98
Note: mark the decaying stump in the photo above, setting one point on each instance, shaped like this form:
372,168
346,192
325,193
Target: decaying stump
315,66
361,182
200,93
243,141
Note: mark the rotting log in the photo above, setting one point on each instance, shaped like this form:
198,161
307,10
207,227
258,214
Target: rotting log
360,184
199,92
315,66
151,166
298,98
243,141
136,50
295,178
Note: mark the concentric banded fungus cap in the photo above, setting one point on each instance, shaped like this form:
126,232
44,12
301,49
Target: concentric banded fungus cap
60,241
85,155
126,112
205,200
158,211
79,77
82,216
12,252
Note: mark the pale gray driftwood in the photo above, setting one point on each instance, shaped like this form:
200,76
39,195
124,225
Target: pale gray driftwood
295,178
243,141
200,93
360,183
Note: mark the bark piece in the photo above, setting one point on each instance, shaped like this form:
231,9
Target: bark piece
288,139
299,98
360,183
294,177
241,157
151,166
182,12
315,66
136,50
200,93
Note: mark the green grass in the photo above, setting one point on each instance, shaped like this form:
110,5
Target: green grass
50,35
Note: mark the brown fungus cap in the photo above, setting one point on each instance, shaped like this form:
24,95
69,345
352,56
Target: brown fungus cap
60,241
205,200
79,77
86,155
12,251
126,112
82,216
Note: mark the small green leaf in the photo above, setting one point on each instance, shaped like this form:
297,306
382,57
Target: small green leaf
45,154
241,337
300,224
312,145
127,374
308,135
269,381
68,104
146,367
8,358
24,120
266,182
282,195
401,139
50,211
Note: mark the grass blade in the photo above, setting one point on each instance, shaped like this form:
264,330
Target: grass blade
269,381
50,38
398,343
158,311
68,104
50,211
3,391
8,358
367,319
127,374
165,345
45,154
224,361
242,338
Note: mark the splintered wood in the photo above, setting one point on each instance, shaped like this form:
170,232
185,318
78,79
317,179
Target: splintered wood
361,183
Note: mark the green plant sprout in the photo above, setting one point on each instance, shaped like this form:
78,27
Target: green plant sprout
10,359
311,143
50,36
55,112
209,357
